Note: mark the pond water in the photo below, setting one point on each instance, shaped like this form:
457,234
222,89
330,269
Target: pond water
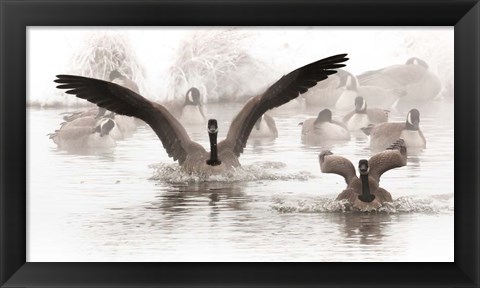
131,203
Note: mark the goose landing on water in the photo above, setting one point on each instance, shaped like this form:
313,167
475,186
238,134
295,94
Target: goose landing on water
191,156
364,193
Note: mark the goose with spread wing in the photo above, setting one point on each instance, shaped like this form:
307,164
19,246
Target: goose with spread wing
191,156
364,193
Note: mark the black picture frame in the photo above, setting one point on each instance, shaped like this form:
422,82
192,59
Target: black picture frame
16,15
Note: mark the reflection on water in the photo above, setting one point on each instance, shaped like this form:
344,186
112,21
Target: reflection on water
132,203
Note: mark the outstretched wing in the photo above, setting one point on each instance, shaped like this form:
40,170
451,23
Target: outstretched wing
124,101
393,157
330,163
287,88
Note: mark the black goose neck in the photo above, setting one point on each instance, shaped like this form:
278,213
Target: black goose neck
366,196
213,161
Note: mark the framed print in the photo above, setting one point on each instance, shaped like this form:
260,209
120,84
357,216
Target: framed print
124,183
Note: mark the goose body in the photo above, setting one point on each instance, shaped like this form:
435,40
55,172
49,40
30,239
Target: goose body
327,92
191,156
362,116
323,129
383,134
413,77
85,133
363,192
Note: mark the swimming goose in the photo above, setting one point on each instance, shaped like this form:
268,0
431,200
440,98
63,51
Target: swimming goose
191,156
363,192
383,134
413,77
265,127
376,96
323,129
363,116
193,110
85,133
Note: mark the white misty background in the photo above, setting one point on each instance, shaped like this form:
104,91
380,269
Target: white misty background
226,63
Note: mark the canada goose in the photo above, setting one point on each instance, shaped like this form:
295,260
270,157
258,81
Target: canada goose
326,93
125,126
384,133
193,110
85,133
265,127
191,156
413,77
363,116
376,96
323,129
364,193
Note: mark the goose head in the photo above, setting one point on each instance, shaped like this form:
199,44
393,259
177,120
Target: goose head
192,97
417,61
104,127
212,134
114,75
364,169
324,116
360,105
413,120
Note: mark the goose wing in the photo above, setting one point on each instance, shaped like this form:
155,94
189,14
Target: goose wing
124,101
330,163
393,157
287,88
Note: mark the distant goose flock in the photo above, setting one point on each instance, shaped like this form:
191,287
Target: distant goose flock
368,97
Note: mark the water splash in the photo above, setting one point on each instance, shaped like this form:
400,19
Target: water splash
172,173
431,205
